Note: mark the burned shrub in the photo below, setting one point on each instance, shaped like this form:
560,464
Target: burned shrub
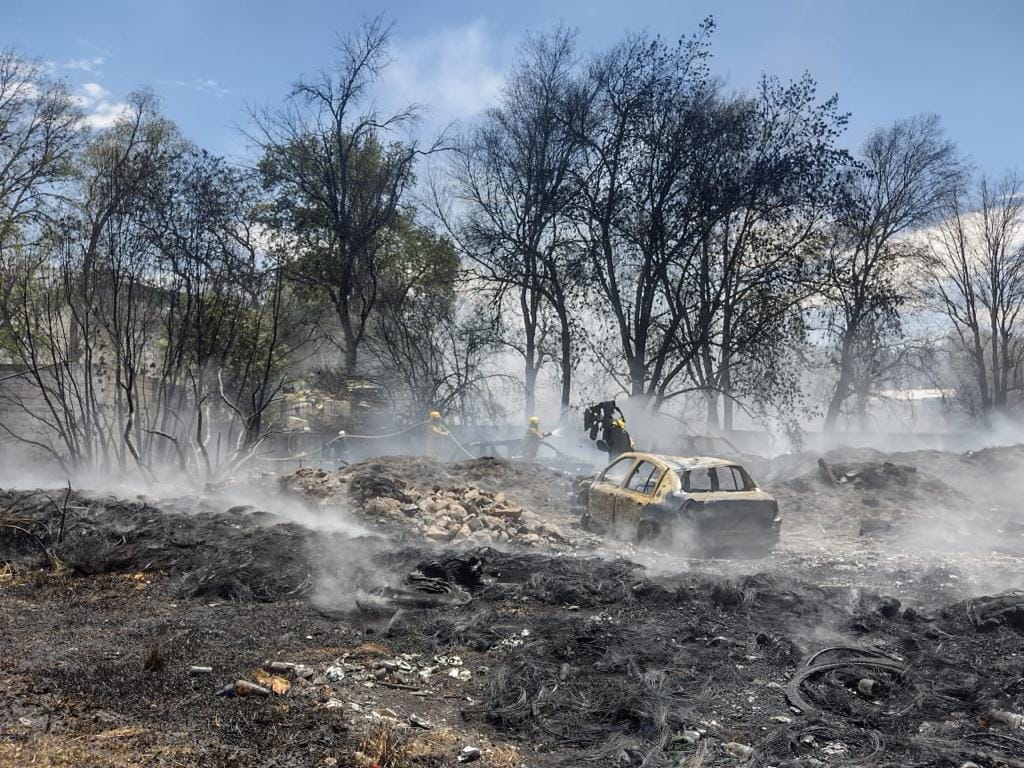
726,594
238,556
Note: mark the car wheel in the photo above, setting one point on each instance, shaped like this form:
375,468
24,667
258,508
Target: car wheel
647,531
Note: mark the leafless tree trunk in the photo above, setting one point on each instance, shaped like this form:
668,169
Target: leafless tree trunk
143,315
638,217
975,264
515,173
910,169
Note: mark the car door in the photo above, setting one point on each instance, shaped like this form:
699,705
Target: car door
605,488
639,490
698,485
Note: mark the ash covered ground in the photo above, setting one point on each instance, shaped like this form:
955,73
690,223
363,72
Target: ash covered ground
400,611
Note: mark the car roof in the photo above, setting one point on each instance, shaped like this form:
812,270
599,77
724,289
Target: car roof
687,462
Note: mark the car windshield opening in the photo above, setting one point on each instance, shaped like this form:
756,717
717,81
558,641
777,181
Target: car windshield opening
645,478
616,473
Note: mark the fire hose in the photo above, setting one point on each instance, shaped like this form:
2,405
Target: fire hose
347,436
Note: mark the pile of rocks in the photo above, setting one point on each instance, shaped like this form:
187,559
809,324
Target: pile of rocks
469,516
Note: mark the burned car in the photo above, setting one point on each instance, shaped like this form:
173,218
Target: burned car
698,505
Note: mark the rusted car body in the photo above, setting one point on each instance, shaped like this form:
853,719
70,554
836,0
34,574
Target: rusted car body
698,505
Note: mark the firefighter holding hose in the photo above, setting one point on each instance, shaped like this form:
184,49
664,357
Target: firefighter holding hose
532,439
438,435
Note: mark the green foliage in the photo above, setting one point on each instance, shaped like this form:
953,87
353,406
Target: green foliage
417,261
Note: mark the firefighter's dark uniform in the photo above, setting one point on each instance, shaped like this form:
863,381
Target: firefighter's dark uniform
618,440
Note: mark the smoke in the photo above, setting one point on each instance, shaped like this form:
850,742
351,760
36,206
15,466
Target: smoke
344,552
349,577
19,470
340,548
952,528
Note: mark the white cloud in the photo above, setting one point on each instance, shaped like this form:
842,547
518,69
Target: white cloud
202,85
94,91
84,65
100,111
106,114
453,71
19,90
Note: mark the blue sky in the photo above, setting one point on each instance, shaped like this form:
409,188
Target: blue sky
208,59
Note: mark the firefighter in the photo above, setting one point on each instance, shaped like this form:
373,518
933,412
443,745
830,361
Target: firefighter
532,438
617,439
607,420
339,447
437,435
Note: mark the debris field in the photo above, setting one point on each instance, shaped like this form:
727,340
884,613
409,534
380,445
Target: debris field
197,632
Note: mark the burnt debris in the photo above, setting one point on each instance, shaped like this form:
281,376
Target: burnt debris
575,659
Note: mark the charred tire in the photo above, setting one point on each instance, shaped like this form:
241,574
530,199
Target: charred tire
648,531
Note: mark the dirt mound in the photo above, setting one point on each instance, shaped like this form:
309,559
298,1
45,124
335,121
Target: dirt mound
239,554
991,475
1002,458
792,466
884,476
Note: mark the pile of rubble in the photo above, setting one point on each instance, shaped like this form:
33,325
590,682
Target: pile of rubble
871,475
465,516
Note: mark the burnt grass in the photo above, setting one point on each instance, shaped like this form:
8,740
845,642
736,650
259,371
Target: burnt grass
574,660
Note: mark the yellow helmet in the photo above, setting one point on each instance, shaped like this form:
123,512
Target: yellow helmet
435,416
534,420
620,423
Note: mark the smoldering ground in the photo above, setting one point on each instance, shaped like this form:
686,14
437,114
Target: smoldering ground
567,658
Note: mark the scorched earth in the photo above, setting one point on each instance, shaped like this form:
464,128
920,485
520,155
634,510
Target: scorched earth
405,612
